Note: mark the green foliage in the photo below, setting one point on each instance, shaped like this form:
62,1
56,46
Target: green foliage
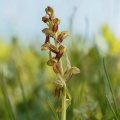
29,84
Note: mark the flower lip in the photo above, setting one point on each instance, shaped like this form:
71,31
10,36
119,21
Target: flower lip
74,70
47,31
56,21
62,35
51,61
45,46
62,48
58,83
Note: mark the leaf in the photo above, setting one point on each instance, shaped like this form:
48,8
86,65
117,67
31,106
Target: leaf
69,96
52,108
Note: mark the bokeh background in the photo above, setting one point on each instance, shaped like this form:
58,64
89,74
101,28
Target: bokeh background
25,78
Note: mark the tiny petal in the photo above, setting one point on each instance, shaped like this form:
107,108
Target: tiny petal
68,79
53,49
56,67
47,38
55,28
47,31
56,21
52,61
62,48
58,83
65,34
45,46
74,70
62,35
57,92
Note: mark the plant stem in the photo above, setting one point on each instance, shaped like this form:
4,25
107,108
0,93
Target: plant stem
63,117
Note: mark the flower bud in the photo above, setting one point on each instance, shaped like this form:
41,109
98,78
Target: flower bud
49,10
45,19
58,83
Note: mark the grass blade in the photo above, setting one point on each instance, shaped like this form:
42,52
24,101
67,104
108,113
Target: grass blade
116,109
52,108
22,91
7,101
111,108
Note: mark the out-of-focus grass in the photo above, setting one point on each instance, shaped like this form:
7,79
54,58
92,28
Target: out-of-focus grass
29,84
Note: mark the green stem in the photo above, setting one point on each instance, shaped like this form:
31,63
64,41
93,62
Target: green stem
63,117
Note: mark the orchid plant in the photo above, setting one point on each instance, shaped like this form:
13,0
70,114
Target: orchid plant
56,52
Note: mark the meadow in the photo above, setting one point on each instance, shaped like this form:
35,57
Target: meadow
26,80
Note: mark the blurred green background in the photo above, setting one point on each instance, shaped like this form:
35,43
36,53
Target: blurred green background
26,80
